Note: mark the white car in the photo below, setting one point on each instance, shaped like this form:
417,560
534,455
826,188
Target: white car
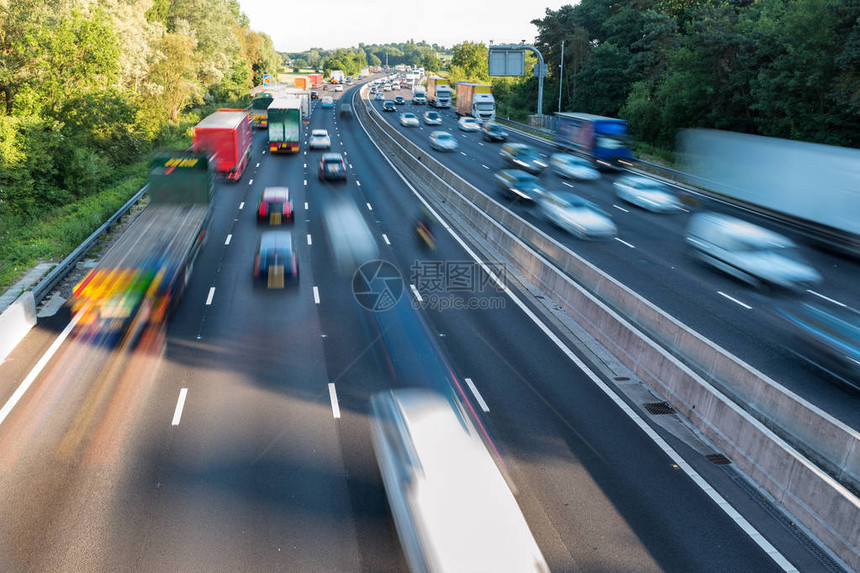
378,96
573,167
576,215
319,139
443,141
408,120
648,194
338,88
468,124
432,118
452,506
387,88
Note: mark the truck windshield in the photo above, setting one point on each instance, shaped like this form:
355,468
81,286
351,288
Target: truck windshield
485,106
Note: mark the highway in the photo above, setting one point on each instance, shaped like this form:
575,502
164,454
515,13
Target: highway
238,438
649,257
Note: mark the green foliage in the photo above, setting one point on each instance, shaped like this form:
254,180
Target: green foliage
470,61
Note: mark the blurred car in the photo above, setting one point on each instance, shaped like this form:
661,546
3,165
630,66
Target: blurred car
373,90
748,252
648,194
351,240
443,141
829,337
523,156
315,94
388,105
275,262
345,110
399,100
576,215
432,118
275,206
319,139
338,88
327,101
518,184
468,124
379,96
332,166
573,167
492,131
408,120
386,88
451,504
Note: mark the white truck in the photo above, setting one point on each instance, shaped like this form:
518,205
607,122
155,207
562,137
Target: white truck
337,76
438,92
476,100
419,95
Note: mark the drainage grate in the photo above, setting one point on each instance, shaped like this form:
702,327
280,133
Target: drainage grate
658,408
718,459
622,379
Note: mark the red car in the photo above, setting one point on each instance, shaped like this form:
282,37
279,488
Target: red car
275,207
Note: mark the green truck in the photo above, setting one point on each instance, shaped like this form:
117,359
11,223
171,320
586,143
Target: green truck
285,123
259,106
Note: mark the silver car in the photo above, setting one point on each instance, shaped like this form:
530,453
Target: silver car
319,139
468,124
573,167
408,120
648,194
748,252
576,215
443,141
432,118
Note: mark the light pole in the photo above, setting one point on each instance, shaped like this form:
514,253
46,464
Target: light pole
561,76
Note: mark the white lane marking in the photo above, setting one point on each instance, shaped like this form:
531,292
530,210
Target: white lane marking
544,155
258,165
385,238
462,153
306,205
481,144
345,153
227,242
306,181
358,183
241,205
250,182
306,152
211,295
350,165
721,502
369,208
416,293
566,183
826,298
478,396
306,165
624,243
309,239
621,208
332,394
316,295
264,152
37,369
484,166
746,306
180,404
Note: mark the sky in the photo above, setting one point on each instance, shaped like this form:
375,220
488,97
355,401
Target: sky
299,26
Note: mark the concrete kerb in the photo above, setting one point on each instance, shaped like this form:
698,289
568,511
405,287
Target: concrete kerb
827,508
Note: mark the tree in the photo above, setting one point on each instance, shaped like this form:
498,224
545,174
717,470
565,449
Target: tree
430,62
471,58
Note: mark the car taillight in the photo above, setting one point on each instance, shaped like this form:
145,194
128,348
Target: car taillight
288,210
263,209
273,147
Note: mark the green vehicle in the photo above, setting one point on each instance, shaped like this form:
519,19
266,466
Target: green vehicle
259,105
285,121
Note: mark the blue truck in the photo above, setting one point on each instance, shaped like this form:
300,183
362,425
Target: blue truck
603,140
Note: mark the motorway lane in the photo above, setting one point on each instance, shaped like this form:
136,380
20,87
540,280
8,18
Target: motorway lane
654,262
588,478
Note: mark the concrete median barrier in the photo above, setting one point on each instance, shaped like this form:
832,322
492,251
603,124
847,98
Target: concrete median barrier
15,322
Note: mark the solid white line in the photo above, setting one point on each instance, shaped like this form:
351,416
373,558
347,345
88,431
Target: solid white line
385,238
316,295
746,306
37,369
721,502
242,205
621,208
227,242
625,243
332,394
478,396
309,239
416,293
566,183
177,414
826,298
369,208
211,294
250,181
484,166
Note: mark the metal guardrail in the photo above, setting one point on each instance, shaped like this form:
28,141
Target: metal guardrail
65,266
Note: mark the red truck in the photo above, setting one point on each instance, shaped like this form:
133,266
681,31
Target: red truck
226,134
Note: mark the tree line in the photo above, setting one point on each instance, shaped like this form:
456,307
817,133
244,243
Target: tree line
352,60
780,68
88,87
